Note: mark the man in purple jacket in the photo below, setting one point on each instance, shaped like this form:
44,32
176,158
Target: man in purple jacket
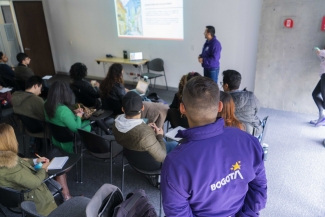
210,56
216,170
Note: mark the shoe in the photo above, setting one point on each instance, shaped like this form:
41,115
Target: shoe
313,121
320,122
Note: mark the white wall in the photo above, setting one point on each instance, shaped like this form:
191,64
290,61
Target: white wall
91,27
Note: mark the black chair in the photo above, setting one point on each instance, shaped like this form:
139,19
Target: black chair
103,202
100,147
11,198
33,128
144,163
63,135
7,113
156,65
82,97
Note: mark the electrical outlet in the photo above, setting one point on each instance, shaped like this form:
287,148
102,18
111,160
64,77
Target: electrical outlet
131,73
138,75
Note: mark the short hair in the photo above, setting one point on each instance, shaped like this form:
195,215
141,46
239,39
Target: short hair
8,140
1,55
32,80
78,71
21,57
201,98
59,93
211,30
232,78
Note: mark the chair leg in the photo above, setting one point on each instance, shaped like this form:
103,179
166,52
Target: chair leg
165,80
111,162
122,185
160,205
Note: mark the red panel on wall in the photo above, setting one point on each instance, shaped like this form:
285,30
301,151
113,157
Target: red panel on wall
323,24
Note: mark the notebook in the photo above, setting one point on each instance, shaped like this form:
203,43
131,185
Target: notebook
141,88
135,56
57,163
171,134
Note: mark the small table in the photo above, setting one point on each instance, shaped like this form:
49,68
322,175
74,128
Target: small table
122,61
73,160
106,114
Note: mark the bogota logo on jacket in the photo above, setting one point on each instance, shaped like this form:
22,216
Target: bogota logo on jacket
235,174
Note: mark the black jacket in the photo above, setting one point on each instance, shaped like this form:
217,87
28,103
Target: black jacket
85,93
114,101
6,71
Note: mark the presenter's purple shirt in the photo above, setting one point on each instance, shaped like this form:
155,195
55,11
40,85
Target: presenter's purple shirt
217,171
211,53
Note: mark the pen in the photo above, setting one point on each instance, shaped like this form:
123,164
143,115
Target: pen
38,155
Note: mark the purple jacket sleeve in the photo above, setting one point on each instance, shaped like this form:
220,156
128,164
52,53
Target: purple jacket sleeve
256,195
175,199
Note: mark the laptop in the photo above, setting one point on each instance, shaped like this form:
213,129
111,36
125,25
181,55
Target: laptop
136,56
141,88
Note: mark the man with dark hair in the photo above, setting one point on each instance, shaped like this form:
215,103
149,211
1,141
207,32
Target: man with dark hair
246,103
216,170
28,103
132,133
210,56
5,70
22,71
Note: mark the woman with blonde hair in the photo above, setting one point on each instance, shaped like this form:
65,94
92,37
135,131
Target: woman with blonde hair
19,173
228,111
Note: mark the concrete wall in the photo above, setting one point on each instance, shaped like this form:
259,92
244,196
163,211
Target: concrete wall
287,66
83,30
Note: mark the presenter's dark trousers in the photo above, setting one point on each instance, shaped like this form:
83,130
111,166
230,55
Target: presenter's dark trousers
319,93
212,73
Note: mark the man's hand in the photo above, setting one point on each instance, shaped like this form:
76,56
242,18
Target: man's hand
46,165
201,60
317,51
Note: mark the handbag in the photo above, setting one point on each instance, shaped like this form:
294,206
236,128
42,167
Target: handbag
87,111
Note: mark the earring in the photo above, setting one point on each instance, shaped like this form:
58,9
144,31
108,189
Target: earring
183,115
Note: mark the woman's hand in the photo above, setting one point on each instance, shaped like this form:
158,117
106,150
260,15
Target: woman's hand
97,84
46,165
126,90
79,112
42,160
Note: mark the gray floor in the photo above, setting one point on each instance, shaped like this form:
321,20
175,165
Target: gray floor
295,167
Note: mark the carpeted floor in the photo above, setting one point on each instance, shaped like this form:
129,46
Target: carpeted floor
295,167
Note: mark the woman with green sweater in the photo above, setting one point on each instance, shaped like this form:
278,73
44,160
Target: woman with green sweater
57,112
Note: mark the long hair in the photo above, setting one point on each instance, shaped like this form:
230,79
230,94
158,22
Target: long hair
228,111
113,76
59,93
182,82
78,71
8,141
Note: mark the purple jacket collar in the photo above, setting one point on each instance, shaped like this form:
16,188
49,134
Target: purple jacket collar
202,132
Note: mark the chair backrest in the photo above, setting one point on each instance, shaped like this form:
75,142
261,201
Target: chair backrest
94,143
29,208
141,160
156,65
10,198
21,84
114,105
32,125
61,134
104,201
265,126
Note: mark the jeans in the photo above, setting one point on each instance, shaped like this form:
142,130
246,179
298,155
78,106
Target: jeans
170,145
319,94
212,73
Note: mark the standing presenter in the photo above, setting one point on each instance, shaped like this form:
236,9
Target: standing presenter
210,56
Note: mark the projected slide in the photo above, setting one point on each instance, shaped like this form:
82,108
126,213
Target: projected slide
162,19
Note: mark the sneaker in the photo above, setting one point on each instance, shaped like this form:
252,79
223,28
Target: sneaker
313,121
320,122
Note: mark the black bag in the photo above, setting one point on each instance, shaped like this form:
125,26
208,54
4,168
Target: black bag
155,98
136,204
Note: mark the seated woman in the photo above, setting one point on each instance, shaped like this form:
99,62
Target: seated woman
86,93
112,91
19,174
174,115
228,111
57,112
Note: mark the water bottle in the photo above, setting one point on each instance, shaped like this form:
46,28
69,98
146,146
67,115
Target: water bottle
145,78
265,150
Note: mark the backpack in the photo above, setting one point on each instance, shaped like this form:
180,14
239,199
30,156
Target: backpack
136,204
